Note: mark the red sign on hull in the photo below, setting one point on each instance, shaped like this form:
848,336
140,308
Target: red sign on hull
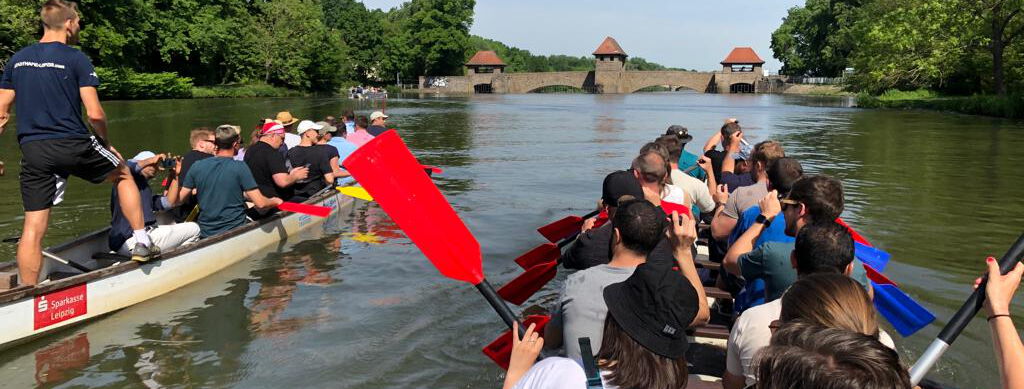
61,305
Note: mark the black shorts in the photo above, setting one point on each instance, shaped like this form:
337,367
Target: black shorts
46,165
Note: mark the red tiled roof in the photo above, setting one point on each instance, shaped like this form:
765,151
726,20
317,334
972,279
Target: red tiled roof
609,47
742,55
485,57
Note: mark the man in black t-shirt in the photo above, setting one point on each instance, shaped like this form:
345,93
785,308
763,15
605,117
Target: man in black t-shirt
308,154
48,82
726,135
269,167
202,141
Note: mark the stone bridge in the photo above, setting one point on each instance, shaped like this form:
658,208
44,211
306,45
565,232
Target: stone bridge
741,73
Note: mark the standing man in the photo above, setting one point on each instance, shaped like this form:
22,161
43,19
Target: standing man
268,165
377,126
49,82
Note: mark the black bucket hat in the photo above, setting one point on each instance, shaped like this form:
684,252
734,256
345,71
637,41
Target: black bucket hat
680,132
654,306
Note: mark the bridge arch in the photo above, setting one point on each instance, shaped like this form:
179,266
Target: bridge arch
741,87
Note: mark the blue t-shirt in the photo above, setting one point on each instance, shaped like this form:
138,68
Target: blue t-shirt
45,78
345,148
776,232
686,161
221,183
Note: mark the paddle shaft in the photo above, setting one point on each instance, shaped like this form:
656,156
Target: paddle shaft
16,239
963,316
499,305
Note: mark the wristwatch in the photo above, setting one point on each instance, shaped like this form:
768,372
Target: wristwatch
761,219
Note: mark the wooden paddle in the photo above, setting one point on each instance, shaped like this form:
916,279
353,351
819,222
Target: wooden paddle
387,170
963,316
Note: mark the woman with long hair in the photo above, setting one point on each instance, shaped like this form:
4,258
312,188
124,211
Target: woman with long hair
643,345
832,301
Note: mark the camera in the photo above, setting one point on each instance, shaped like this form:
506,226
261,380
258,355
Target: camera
168,163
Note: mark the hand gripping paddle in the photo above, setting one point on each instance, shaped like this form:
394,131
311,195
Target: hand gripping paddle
388,171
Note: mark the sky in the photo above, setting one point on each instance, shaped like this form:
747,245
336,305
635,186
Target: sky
691,34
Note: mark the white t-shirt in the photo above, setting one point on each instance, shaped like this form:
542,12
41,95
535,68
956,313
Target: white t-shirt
674,194
554,373
750,334
696,189
292,140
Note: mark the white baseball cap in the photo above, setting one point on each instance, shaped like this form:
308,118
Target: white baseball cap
307,125
143,155
377,114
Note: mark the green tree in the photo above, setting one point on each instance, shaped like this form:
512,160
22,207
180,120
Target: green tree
283,35
439,32
19,25
815,39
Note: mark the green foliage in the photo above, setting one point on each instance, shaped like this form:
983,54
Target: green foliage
17,26
1009,106
124,83
243,90
953,46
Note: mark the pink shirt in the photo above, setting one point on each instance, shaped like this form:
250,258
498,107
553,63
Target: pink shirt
359,137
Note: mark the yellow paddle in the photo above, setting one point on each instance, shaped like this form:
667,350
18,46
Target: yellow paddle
355,191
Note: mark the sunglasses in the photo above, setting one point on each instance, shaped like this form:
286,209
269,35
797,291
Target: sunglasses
788,202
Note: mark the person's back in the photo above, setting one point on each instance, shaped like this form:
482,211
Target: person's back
220,183
343,146
582,304
359,136
46,77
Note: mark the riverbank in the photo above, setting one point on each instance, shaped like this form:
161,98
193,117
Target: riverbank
1010,106
244,90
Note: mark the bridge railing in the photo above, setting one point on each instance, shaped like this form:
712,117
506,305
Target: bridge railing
816,80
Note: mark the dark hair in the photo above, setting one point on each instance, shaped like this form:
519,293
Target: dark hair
783,172
225,137
816,357
672,145
361,122
349,115
830,300
640,225
631,365
823,247
822,195
653,170
727,130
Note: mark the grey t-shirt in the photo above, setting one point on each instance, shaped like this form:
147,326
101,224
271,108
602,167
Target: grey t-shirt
743,198
582,305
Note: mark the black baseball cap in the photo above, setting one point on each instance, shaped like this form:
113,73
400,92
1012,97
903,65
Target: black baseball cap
618,184
680,132
654,306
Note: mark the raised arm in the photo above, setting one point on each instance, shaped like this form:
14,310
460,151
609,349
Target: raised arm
1009,351
712,141
93,109
682,234
770,207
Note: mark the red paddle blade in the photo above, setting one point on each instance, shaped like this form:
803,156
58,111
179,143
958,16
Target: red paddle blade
856,236
561,229
500,350
387,170
877,277
521,288
669,207
544,253
307,209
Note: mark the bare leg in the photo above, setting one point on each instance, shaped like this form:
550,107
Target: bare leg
30,247
128,197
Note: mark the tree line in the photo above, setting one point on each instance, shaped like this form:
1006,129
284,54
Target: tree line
951,46
313,45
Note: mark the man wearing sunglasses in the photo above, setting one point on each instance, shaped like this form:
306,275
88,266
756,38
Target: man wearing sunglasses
202,141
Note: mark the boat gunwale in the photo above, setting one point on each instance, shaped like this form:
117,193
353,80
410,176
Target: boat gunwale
23,291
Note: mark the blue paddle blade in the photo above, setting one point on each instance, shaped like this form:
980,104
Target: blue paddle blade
873,257
905,314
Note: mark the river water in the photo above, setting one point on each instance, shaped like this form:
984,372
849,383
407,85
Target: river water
357,306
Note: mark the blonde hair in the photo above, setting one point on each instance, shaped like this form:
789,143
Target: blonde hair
830,300
55,12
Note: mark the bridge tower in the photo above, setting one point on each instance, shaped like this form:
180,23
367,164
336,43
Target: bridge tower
609,66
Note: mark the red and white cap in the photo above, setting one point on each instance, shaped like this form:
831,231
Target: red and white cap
272,128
